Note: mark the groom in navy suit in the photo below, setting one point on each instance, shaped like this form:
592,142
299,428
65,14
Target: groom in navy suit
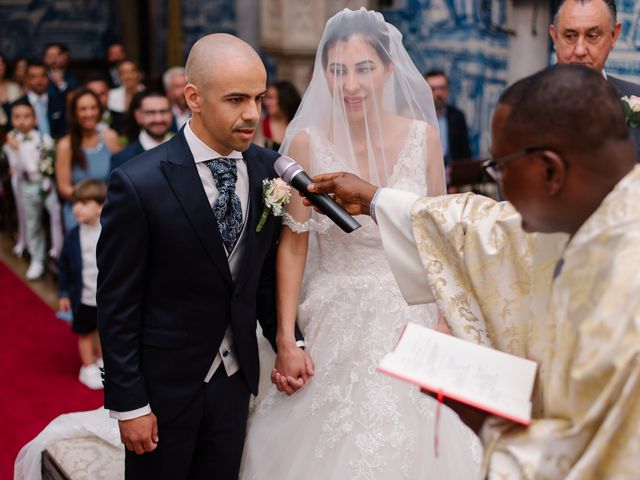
183,276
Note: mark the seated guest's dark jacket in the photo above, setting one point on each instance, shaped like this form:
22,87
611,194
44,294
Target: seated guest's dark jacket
459,148
130,151
70,269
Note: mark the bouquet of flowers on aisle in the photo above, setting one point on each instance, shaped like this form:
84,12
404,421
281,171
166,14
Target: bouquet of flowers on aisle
631,105
275,194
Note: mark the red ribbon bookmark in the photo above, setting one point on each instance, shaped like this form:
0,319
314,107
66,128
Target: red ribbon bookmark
437,425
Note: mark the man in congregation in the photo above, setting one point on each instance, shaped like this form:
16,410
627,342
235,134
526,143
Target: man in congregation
551,276
173,81
154,118
46,100
56,59
454,134
115,54
584,32
183,276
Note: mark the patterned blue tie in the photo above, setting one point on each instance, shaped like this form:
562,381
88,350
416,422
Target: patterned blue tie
226,208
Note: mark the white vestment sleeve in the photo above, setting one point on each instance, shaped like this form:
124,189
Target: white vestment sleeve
393,214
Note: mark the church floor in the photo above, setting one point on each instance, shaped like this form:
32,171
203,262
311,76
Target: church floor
45,287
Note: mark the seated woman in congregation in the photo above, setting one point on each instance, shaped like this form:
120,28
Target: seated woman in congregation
280,105
84,152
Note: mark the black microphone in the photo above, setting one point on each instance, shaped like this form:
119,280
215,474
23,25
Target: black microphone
293,174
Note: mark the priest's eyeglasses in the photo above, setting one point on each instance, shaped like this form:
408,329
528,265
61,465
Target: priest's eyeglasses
493,166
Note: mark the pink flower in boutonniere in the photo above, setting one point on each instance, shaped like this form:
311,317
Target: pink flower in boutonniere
275,194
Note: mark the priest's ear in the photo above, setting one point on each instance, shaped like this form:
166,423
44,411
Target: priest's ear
555,172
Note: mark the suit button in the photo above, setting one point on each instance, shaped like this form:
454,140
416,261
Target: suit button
225,353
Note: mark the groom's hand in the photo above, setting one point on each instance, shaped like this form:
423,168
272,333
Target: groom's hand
350,191
139,434
292,370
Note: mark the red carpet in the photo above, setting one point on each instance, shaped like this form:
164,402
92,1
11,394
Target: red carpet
39,366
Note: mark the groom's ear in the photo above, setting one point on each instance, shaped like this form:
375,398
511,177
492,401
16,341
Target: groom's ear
192,96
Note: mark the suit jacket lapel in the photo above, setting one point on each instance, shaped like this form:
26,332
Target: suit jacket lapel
182,174
256,175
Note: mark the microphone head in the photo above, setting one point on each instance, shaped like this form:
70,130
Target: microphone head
287,168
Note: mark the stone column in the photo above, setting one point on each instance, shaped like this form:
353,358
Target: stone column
529,47
290,31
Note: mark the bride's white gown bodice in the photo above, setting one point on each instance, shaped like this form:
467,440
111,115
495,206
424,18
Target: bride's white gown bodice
350,421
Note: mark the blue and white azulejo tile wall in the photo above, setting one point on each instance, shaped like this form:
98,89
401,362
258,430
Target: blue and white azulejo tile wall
463,38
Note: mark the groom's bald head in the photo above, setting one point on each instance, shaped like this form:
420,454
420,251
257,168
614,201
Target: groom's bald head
226,81
216,52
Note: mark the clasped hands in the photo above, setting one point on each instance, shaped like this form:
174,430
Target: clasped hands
294,366
293,369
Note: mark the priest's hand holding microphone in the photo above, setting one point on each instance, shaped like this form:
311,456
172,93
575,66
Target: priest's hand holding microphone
352,195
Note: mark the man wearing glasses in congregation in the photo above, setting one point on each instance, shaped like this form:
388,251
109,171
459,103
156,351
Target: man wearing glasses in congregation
154,117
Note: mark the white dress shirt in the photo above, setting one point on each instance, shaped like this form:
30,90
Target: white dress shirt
88,241
201,153
117,99
148,142
42,116
34,98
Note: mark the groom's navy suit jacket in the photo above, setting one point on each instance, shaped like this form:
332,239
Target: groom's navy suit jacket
165,292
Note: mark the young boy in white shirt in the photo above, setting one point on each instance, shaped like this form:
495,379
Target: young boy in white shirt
32,155
78,277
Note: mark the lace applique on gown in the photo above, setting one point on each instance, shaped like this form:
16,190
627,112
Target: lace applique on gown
350,421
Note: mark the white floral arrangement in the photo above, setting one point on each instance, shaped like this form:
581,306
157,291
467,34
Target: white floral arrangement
47,167
631,105
47,161
275,195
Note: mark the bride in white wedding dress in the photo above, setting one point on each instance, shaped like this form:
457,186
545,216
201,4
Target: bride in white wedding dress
368,111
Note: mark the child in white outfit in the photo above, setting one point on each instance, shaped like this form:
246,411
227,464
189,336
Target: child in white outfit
32,154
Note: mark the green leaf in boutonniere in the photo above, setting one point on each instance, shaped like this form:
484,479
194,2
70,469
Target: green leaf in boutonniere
631,106
275,195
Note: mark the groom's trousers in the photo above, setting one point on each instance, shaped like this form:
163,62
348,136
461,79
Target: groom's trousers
205,441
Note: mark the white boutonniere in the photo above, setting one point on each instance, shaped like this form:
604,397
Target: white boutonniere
275,195
631,105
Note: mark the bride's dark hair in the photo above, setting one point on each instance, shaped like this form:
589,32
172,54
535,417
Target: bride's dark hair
362,24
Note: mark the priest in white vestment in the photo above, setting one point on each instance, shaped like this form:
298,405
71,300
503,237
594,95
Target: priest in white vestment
551,276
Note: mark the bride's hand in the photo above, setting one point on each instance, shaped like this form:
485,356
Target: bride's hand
292,370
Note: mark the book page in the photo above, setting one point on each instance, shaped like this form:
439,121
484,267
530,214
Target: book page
479,376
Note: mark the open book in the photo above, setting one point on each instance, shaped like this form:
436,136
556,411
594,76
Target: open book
479,376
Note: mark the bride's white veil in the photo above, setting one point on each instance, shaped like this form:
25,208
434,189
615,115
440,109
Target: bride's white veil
364,97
